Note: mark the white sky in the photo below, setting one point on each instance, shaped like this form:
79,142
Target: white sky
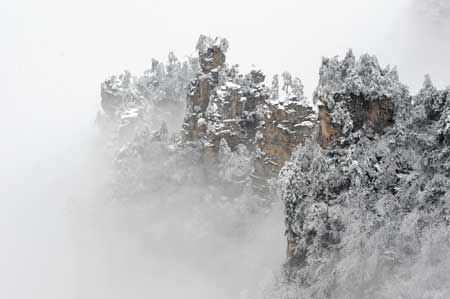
73,45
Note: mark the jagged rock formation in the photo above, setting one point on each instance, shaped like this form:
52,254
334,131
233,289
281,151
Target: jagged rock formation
113,92
140,115
364,202
366,192
355,95
226,105
289,120
238,131
285,126
133,102
222,103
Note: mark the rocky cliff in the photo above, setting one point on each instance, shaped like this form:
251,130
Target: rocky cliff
364,177
354,96
222,103
285,126
241,131
132,102
364,200
226,107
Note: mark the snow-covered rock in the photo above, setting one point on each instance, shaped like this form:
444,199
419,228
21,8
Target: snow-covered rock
354,95
359,217
238,108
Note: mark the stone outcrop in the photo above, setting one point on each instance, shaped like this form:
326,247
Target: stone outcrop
222,103
113,92
353,96
285,126
131,103
226,105
356,101
211,53
224,108
364,181
372,189
374,114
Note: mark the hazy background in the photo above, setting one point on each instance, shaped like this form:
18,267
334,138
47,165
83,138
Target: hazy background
53,56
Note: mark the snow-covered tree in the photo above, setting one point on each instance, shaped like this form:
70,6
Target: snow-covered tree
297,90
359,216
287,82
275,88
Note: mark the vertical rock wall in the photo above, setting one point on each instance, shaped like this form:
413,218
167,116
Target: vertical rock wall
224,104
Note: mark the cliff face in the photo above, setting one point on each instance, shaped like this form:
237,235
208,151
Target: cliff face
131,102
353,96
286,125
239,131
363,201
364,182
374,114
239,109
222,103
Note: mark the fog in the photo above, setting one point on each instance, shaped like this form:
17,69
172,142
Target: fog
59,240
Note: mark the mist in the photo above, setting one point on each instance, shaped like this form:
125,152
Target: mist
60,238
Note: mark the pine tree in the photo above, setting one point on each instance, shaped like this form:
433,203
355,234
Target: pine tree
275,88
297,89
287,82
